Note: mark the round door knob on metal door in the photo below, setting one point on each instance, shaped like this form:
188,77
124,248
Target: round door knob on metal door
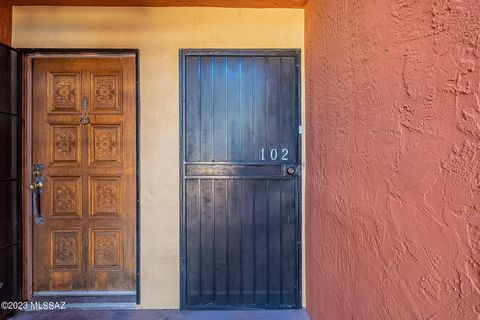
291,171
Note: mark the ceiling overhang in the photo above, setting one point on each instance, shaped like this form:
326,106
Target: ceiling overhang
167,3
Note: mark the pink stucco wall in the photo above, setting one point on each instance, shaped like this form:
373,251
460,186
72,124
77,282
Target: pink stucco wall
393,152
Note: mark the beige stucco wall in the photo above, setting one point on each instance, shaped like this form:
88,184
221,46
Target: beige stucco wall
159,33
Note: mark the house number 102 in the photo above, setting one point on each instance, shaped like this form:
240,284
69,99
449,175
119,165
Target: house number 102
274,154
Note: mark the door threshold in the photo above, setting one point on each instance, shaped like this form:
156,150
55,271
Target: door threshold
80,299
82,293
32,306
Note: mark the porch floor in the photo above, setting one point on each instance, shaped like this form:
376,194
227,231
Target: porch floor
163,315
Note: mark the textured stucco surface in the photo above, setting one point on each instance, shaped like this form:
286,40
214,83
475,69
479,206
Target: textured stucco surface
393,159
158,33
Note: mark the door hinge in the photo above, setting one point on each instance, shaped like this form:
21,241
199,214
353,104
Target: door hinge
300,130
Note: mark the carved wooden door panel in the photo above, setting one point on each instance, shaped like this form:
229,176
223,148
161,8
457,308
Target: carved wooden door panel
84,124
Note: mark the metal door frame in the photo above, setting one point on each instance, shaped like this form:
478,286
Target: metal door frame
183,53
27,227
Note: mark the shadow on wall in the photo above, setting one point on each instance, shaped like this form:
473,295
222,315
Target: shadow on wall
393,153
5,23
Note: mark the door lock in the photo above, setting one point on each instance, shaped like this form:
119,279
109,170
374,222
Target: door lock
290,169
84,119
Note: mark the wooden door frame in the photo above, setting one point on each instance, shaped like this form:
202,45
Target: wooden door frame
27,222
183,53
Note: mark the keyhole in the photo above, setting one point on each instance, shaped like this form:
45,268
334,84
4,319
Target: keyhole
85,103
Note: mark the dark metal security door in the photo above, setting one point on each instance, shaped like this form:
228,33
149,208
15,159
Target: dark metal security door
240,179
10,173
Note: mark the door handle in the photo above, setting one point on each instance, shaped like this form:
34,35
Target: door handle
84,119
291,170
37,190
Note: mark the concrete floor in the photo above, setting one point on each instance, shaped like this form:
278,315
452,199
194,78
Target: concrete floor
163,315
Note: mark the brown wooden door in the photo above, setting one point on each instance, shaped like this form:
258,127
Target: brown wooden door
87,238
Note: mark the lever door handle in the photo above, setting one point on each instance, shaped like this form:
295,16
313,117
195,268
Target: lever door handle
37,190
